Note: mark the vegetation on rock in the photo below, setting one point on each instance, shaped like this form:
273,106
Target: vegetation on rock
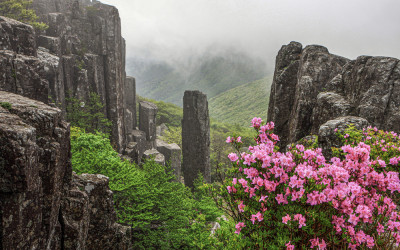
88,116
163,214
19,10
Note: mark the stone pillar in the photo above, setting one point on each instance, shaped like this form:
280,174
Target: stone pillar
147,120
172,153
195,137
130,104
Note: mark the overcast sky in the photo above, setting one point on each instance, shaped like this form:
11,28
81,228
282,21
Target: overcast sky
171,29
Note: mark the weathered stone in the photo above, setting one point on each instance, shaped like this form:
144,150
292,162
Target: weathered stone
372,85
40,208
173,154
153,154
91,38
130,104
103,231
17,37
147,120
317,67
368,87
195,137
160,130
53,44
283,89
328,105
23,75
35,171
327,137
139,137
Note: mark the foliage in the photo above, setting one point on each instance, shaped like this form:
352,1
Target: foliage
6,105
300,199
240,104
88,116
163,214
212,73
19,10
168,113
385,146
173,135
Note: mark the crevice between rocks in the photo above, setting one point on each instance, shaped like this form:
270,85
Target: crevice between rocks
390,90
62,224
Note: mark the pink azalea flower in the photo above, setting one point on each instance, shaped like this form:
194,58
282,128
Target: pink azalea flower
239,227
233,157
286,219
289,246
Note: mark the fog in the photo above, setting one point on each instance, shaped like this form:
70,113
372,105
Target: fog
176,29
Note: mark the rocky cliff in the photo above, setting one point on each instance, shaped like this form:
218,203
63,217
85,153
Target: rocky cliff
81,52
312,87
42,204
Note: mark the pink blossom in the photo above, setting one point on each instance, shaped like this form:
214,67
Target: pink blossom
233,157
239,227
281,199
241,207
228,139
286,219
289,246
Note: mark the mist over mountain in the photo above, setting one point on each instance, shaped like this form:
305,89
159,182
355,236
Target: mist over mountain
213,72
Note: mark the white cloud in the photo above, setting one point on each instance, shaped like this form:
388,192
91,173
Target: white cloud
172,29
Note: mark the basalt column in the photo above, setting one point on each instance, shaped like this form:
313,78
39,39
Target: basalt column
195,137
147,121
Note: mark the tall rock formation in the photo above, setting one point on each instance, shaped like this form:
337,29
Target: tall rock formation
81,52
42,205
312,86
195,137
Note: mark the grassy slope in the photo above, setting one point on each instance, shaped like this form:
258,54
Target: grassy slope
211,74
239,105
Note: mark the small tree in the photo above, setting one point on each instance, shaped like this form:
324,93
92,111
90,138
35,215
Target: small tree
19,10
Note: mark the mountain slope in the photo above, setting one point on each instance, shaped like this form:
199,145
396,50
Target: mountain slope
211,73
239,105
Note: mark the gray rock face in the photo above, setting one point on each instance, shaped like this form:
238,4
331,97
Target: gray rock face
130,104
17,37
101,228
153,154
35,171
40,208
195,137
172,153
283,89
87,39
147,120
329,86
161,130
137,146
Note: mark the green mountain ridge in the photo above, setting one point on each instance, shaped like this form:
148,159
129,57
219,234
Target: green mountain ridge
239,105
212,74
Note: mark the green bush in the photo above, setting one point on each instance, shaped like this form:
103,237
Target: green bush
163,214
19,10
88,116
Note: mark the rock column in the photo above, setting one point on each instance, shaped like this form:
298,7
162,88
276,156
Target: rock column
195,137
147,121
130,104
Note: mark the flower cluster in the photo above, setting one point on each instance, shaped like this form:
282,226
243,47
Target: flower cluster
345,196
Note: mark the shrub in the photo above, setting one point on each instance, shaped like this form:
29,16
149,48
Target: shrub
163,214
6,105
300,199
19,10
88,116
